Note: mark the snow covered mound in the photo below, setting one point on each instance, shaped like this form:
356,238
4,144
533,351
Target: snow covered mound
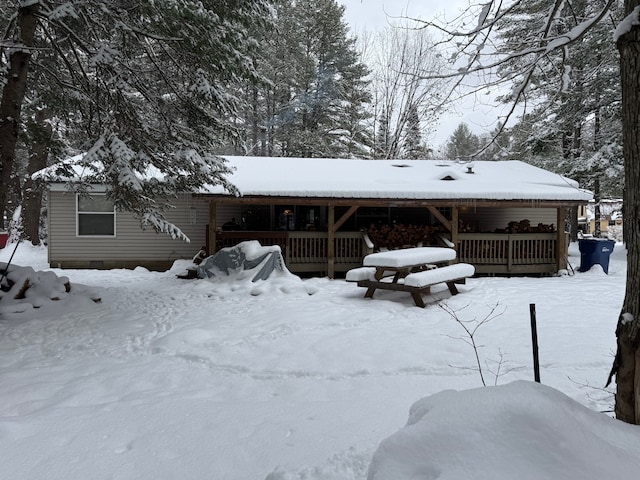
245,260
521,430
22,289
251,267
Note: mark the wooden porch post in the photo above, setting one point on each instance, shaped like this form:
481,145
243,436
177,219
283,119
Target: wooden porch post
454,231
561,242
211,247
331,246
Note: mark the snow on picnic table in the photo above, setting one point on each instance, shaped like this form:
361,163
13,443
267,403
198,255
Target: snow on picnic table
409,256
288,378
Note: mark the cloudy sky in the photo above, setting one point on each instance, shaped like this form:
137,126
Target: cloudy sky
373,14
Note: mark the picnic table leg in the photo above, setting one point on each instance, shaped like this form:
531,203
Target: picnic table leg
452,288
369,293
417,299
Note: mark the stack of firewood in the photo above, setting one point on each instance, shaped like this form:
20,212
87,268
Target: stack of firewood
544,228
465,227
401,236
524,226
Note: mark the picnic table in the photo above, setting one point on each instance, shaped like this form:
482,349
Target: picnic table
413,270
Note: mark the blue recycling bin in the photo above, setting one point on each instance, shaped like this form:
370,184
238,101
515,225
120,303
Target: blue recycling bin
595,250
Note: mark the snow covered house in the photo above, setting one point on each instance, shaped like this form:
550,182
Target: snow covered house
326,214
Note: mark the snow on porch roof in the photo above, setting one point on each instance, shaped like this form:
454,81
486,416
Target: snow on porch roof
399,179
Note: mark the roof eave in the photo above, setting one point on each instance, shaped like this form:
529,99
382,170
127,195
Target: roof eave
391,202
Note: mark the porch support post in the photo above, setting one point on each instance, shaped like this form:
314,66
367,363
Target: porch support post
331,245
561,242
454,231
211,246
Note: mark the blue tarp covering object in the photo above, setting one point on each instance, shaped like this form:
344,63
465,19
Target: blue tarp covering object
246,257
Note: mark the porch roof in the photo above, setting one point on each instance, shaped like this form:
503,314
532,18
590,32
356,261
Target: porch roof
435,181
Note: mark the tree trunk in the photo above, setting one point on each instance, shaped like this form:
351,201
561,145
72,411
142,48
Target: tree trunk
32,196
626,366
566,146
255,129
576,146
13,94
597,230
597,127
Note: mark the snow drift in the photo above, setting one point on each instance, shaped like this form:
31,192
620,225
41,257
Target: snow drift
520,430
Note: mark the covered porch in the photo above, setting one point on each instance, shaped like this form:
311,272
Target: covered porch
338,234
503,217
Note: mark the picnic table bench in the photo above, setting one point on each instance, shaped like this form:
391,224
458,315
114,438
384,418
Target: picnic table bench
412,270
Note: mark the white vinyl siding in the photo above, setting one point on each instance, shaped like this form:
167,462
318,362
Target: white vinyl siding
131,242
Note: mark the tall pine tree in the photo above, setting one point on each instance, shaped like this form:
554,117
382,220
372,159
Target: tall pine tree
580,115
413,144
315,101
462,144
145,81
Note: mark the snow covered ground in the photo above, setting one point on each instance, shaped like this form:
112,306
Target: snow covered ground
303,379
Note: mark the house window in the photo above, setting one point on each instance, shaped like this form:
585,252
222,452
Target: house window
96,216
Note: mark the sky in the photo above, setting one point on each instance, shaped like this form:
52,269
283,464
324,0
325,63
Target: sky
480,116
371,14
292,379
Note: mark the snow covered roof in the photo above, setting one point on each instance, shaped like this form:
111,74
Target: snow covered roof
398,179
389,179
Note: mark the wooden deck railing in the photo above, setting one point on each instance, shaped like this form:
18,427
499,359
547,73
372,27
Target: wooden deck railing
306,251
509,253
492,253
229,239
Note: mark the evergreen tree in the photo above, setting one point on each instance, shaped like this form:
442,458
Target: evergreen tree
582,117
382,140
146,83
413,146
497,144
354,137
463,144
315,101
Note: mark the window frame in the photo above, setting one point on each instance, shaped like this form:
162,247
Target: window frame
79,213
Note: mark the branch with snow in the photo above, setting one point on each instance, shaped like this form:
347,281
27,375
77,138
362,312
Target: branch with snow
485,55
